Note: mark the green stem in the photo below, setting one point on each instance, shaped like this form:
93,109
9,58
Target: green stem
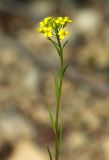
58,102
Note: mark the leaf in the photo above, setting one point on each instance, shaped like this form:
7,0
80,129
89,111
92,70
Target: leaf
56,86
55,45
52,121
50,156
65,68
65,43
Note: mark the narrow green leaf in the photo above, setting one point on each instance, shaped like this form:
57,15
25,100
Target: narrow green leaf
55,45
65,43
65,68
52,121
49,152
56,86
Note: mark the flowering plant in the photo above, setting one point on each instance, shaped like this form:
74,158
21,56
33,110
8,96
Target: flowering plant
53,29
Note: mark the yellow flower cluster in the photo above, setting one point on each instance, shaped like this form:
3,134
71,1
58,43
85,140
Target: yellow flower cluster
54,27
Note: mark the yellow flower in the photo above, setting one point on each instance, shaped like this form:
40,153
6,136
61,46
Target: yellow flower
47,31
40,30
63,21
62,33
45,22
47,19
67,20
60,20
42,24
51,26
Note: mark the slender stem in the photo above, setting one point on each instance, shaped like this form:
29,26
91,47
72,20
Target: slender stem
58,102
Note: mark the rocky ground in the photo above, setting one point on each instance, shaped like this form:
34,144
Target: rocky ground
27,65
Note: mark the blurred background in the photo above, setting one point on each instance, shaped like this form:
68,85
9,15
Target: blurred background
27,64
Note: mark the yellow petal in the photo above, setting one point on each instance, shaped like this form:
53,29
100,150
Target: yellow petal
61,37
40,30
67,33
49,34
42,24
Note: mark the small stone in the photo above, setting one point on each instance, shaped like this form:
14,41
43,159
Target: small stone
40,8
26,150
91,120
31,79
105,147
13,126
41,115
8,57
88,20
76,140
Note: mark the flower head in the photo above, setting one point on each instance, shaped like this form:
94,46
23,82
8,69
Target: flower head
54,27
